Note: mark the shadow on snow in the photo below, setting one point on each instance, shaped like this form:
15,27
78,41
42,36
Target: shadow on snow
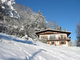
29,58
15,39
34,54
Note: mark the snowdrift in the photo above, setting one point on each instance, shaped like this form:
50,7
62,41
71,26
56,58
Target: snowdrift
13,48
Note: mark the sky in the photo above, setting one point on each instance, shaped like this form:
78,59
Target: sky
66,13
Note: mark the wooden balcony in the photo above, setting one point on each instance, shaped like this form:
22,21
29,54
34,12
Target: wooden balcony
61,39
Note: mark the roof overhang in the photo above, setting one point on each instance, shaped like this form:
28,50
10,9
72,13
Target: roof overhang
59,31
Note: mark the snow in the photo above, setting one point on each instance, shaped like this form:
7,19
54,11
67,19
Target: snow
8,4
3,7
13,48
3,1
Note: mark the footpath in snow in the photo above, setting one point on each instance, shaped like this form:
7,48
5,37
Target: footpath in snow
12,48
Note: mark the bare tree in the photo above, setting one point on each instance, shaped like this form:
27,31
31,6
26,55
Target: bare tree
78,34
53,25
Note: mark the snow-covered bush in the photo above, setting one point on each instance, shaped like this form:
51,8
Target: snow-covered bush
25,37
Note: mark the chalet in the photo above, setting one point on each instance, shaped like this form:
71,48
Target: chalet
55,37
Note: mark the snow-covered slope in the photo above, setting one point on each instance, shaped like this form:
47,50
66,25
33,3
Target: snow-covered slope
12,48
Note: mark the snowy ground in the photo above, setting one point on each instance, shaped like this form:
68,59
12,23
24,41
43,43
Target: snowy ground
12,48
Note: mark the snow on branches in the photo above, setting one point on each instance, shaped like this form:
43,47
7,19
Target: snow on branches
6,8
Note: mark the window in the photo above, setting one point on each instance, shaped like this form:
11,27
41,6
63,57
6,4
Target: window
59,37
44,37
52,42
49,42
62,36
62,42
52,37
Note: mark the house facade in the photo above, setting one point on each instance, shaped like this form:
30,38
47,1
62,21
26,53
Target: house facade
55,37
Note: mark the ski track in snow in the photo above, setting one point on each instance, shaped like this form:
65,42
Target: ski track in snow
13,50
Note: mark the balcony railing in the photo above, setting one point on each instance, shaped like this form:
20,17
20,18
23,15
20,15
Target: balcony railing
68,38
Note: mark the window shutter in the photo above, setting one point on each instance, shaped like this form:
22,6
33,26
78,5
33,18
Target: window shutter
60,42
64,36
64,42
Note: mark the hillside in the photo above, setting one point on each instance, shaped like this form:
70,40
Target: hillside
13,48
